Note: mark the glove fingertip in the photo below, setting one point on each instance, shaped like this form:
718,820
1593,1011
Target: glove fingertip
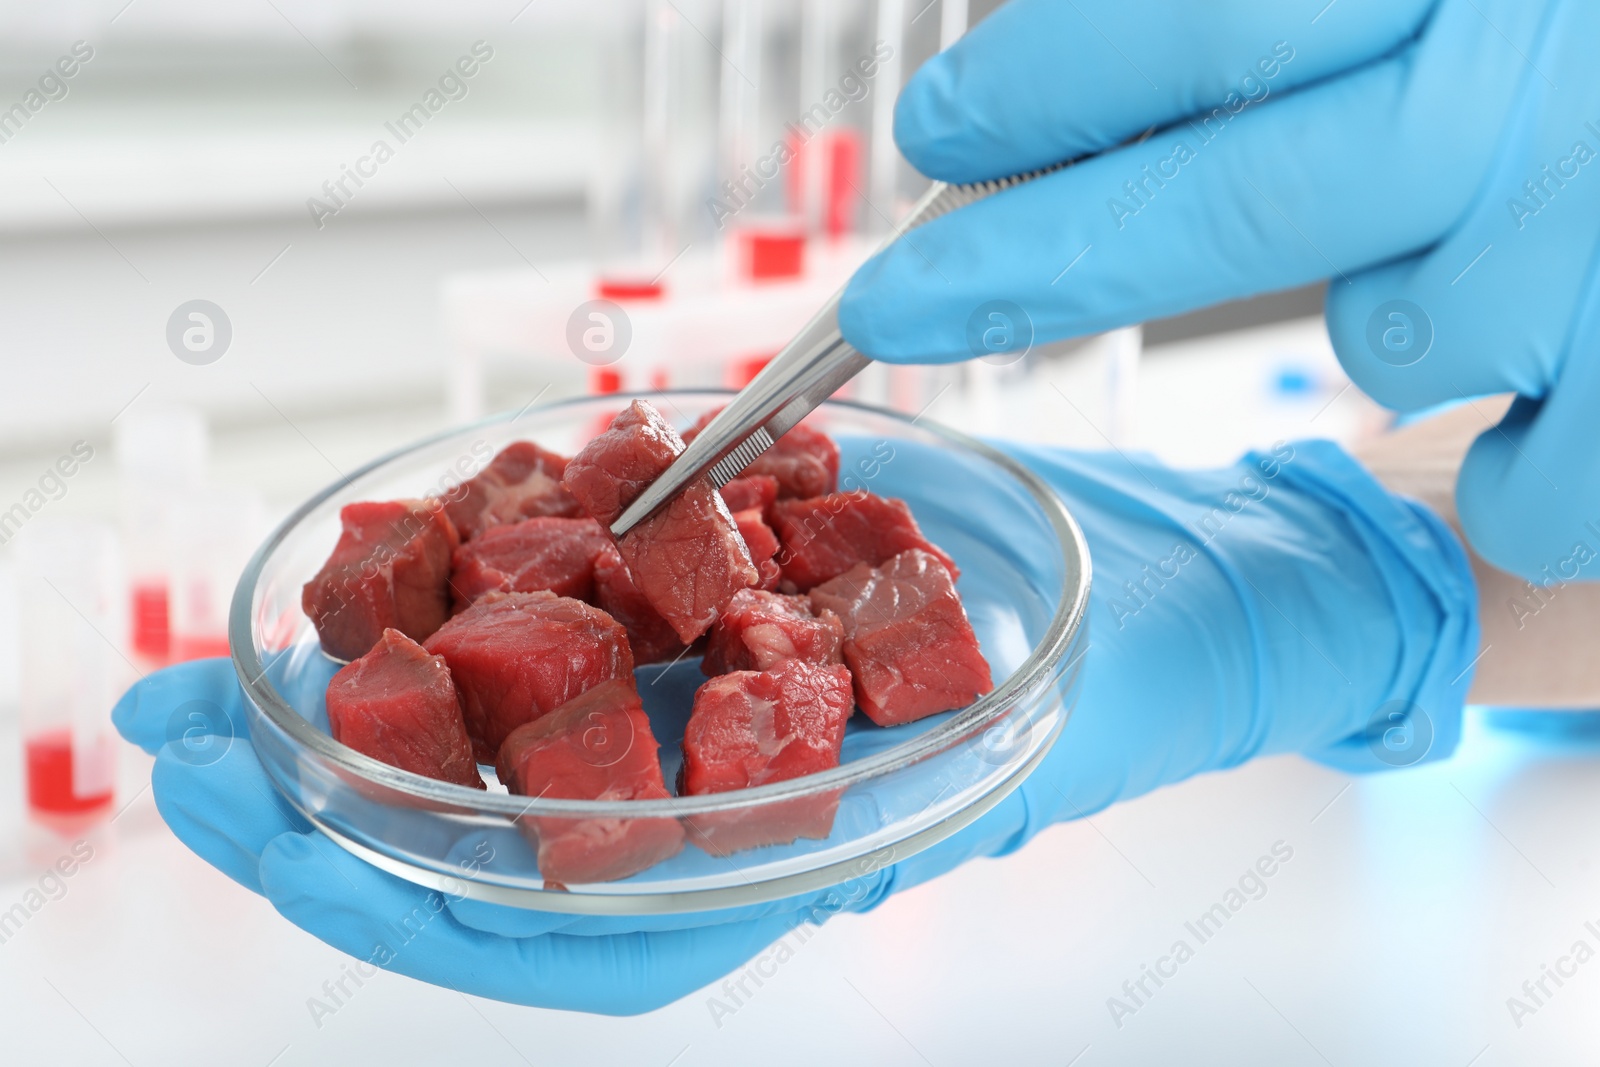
328,892
286,863
884,311
1510,511
208,688
927,120
857,311
124,716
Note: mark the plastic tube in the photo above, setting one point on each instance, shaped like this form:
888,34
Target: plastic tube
69,594
810,178
661,95
216,530
739,109
884,156
952,22
161,457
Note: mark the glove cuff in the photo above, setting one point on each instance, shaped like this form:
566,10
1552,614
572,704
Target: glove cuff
1435,602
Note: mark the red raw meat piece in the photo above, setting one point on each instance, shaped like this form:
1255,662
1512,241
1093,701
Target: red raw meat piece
517,656
596,747
750,491
804,462
524,557
522,481
762,544
759,630
688,559
907,640
397,704
825,537
751,728
391,568
651,637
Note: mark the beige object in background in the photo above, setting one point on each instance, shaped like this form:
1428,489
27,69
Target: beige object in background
1538,643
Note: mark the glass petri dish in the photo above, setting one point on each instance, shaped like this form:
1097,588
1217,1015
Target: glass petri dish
898,790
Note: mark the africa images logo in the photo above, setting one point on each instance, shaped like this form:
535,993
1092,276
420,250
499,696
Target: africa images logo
199,332
1399,332
999,332
599,332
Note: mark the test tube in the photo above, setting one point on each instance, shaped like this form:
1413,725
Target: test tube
883,155
161,456
739,111
665,145
216,531
661,91
810,183
1124,348
70,596
952,22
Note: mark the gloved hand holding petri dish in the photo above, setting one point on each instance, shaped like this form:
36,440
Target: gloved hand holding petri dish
1185,657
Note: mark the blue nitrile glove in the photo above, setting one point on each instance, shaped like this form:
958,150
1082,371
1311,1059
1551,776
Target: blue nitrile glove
1437,160
1287,603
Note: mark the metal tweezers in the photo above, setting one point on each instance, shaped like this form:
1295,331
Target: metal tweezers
808,370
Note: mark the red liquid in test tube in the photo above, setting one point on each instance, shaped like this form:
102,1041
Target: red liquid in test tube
64,779
152,634
72,601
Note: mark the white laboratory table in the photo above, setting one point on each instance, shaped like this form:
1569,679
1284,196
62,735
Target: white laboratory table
1413,905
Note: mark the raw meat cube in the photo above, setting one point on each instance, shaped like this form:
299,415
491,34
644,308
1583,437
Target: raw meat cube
759,630
522,481
750,491
391,568
804,462
397,704
824,537
524,557
688,559
762,544
595,747
751,728
517,656
907,640
651,637
619,463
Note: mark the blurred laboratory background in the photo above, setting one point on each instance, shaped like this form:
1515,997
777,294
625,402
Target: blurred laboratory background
246,247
